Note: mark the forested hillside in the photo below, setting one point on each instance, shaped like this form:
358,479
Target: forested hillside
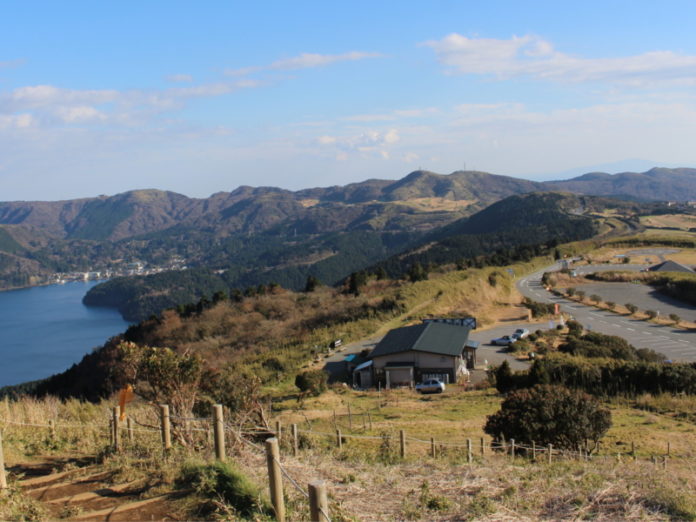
517,228
265,234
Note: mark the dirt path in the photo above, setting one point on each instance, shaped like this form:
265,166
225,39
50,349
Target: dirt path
76,488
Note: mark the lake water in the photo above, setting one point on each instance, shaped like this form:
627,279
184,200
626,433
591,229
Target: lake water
44,330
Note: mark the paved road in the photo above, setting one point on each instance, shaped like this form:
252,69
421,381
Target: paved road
644,297
677,344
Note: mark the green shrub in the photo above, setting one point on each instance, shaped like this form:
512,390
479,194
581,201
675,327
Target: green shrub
505,380
539,309
574,328
550,415
648,355
632,309
222,481
313,382
611,377
594,344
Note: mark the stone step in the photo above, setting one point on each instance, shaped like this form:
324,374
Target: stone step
89,495
51,477
54,488
111,513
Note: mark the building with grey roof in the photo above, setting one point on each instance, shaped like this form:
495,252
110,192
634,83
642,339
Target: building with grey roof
670,266
411,354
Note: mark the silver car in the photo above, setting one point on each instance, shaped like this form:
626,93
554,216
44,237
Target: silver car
431,386
505,340
520,333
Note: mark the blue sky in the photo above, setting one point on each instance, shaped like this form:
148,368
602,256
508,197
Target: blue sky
104,97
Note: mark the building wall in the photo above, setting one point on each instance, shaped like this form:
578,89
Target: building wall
424,363
420,360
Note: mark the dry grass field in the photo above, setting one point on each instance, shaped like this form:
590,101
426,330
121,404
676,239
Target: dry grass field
681,221
367,478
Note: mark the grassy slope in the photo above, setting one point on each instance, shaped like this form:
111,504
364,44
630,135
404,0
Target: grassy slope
368,481
364,486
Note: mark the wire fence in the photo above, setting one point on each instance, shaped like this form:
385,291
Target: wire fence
222,436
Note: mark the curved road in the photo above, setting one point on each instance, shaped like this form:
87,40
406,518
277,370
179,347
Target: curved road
676,343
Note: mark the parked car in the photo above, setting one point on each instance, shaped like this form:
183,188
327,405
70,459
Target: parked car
505,340
520,333
431,386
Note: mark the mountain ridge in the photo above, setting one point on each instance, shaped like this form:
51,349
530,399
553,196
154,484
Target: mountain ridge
256,231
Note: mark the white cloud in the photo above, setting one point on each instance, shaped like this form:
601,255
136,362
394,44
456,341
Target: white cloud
394,115
180,78
42,95
79,114
16,121
304,61
391,136
51,105
310,60
367,118
367,143
534,57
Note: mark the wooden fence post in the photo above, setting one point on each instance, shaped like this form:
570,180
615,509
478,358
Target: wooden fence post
275,478
369,418
116,426
668,447
433,450
3,478
402,443
483,446
350,419
219,432
550,449
633,450
295,441
278,430
318,501
131,432
339,439
469,456
52,429
512,449
534,451
166,427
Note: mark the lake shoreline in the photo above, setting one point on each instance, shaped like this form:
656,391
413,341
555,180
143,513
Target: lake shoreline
47,329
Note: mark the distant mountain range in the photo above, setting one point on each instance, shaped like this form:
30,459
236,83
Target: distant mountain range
262,234
250,209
